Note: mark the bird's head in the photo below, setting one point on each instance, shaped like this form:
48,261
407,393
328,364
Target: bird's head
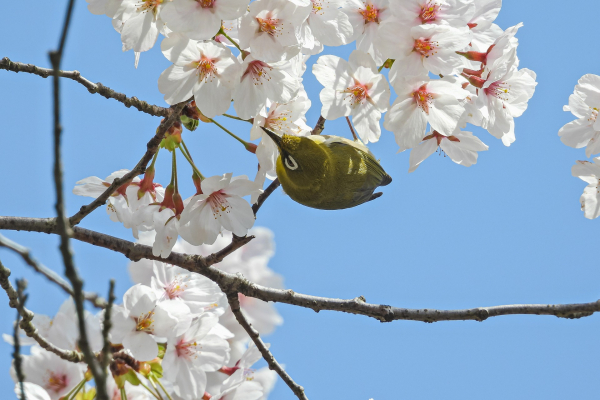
303,159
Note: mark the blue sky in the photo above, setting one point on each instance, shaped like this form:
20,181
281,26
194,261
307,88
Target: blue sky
507,230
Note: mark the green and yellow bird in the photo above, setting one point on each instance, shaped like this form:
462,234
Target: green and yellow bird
327,172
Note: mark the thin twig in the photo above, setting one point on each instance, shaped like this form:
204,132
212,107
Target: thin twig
140,168
234,303
319,126
229,282
27,325
264,195
52,276
63,225
106,326
18,360
351,128
99,88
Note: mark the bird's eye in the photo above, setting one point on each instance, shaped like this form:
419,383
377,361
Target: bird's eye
290,163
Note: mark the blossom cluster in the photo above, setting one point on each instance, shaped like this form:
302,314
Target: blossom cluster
584,104
174,329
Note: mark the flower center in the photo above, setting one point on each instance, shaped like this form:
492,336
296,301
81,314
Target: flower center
186,349
219,204
429,12
57,382
370,13
268,24
423,98
593,115
259,71
357,94
205,69
317,7
206,3
145,322
174,289
278,121
498,89
150,5
425,47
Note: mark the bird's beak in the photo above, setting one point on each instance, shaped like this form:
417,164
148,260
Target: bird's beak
276,138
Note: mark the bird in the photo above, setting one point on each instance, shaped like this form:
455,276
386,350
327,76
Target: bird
327,172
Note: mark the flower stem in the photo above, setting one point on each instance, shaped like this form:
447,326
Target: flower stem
186,153
73,392
230,133
150,378
149,390
238,118
222,32
164,390
123,394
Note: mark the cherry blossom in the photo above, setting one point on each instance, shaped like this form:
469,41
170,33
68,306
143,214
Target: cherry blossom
421,101
141,23
140,317
590,199
326,25
262,82
423,48
365,16
53,374
353,87
417,12
484,31
461,147
201,20
584,104
175,284
117,206
188,357
271,28
32,392
220,206
208,71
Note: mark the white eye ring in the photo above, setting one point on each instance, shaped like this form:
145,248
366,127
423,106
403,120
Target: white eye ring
290,163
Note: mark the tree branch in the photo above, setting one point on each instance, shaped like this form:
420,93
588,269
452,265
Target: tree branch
319,126
52,276
230,282
27,325
18,360
99,88
234,303
140,168
64,226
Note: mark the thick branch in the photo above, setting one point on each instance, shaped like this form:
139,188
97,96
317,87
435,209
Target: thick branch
99,88
27,325
52,276
229,282
319,126
140,168
234,303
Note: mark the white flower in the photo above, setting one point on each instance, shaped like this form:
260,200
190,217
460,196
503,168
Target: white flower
423,48
242,370
175,284
326,25
461,147
484,31
140,318
365,16
504,96
417,12
231,28
262,82
189,356
141,23
201,20
206,70
117,206
421,101
245,390
590,199
353,87
271,28
53,374
219,206
584,103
